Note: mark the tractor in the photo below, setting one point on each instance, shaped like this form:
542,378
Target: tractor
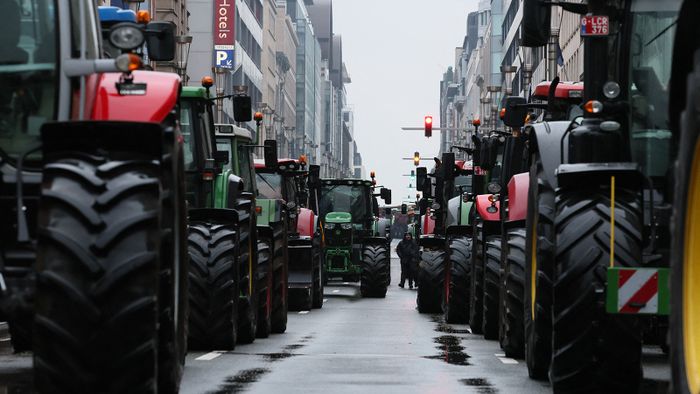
599,206
500,219
446,211
287,184
229,265
352,247
93,253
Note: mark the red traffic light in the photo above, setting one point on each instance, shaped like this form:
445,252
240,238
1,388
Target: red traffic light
428,126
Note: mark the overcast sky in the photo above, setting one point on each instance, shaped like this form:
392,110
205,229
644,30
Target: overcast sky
396,52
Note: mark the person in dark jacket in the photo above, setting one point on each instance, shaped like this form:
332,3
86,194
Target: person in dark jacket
408,252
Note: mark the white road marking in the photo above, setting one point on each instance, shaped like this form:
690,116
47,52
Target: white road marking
500,354
303,312
325,300
209,356
336,291
506,360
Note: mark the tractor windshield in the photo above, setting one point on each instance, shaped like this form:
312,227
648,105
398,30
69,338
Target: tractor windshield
651,54
353,199
270,185
187,128
27,72
463,183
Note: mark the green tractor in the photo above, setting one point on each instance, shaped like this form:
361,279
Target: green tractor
353,247
291,192
228,278
271,230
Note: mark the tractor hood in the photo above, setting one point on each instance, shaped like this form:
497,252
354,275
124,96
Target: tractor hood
338,217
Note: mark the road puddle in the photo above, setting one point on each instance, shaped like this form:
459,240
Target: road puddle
482,385
241,381
451,351
446,328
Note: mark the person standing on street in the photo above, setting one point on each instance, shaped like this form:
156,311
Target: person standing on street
408,252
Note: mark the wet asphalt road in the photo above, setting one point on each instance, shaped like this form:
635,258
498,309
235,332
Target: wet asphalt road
355,345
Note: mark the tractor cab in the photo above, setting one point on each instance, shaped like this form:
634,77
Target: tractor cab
566,102
234,146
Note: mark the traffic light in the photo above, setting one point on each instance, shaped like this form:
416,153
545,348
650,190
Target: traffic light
413,173
428,126
416,160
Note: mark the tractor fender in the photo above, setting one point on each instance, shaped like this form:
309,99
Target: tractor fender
159,99
517,196
212,215
306,223
546,138
627,175
482,204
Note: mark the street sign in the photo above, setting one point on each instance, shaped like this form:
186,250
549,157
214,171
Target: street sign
224,28
595,26
223,56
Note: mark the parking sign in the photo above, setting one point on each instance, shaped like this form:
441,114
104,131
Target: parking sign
223,56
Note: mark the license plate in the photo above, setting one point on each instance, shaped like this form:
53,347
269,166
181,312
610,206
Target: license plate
592,25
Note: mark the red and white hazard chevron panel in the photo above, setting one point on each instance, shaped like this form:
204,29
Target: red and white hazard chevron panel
637,291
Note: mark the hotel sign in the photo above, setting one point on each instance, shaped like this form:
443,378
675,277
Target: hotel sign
224,28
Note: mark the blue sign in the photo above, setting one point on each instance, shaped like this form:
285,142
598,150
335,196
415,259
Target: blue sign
223,58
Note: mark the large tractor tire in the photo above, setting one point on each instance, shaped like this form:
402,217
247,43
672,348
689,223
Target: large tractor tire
97,276
455,304
539,270
685,269
173,303
492,287
593,351
513,337
375,268
317,287
476,286
265,278
213,289
431,280
247,273
280,294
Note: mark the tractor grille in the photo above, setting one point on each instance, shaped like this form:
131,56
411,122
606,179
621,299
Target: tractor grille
338,263
338,237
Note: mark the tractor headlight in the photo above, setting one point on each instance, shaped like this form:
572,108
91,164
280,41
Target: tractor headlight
346,226
329,226
126,36
435,206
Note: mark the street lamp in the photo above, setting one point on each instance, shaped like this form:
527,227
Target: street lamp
268,119
220,74
183,54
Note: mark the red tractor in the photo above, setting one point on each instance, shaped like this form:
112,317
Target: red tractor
93,253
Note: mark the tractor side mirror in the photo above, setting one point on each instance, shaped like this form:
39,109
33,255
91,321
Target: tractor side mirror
422,181
221,157
448,166
516,111
314,175
270,153
242,108
536,23
404,209
423,206
385,195
160,41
